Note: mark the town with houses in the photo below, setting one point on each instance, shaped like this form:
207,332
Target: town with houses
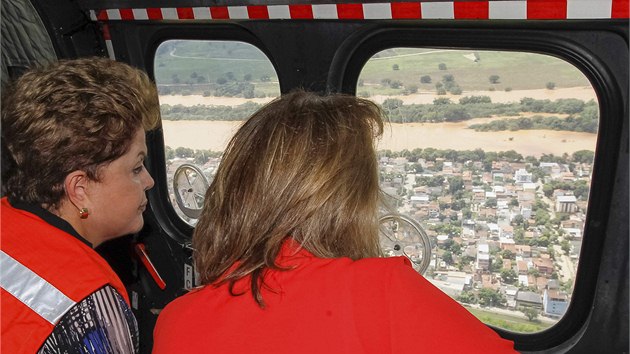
505,232
504,237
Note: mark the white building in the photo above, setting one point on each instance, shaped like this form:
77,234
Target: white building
522,176
483,256
566,204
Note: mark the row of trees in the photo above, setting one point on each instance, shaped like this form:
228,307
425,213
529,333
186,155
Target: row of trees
447,84
200,156
577,124
462,156
203,112
225,85
583,116
486,158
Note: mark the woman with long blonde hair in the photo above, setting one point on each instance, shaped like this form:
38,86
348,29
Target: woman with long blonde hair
287,247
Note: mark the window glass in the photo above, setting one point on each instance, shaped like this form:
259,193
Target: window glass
207,89
491,153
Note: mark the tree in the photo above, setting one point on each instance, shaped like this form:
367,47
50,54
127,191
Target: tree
494,79
542,216
509,276
410,89
201,157
496,265
184,152
581,189
475,99
454,113
455,184
507,254
391,104
170,153
425,79
442,66
447,257
530,312
467,297
550,85
583,156
395,67
441,101
416,167
396,84
490,297
456,90
566,246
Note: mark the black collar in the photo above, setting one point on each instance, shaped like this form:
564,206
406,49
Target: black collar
50,218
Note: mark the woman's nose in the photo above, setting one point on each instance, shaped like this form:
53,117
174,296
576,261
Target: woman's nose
149,182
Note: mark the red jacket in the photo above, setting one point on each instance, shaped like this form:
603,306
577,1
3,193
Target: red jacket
45,271
373,305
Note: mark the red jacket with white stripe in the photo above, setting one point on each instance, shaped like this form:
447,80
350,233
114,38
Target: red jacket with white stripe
45,271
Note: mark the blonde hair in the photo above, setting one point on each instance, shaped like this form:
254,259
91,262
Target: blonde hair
71,115
303,166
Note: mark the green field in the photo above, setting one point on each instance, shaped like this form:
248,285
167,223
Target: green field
212,60
516,71
511,323
199,66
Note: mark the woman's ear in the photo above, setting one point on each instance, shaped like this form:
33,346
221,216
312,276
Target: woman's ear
76,184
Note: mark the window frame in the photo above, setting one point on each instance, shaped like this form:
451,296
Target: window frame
573,42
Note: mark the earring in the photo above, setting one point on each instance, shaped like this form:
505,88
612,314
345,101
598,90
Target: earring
84,213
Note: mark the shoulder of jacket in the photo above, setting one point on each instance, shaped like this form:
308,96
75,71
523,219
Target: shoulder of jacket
384,262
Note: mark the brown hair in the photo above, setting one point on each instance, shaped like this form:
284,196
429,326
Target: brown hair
304,165
72,115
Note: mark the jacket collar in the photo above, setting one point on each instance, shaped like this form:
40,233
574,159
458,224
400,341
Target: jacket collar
49,218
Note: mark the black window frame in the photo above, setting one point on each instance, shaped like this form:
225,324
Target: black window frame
584,44
336,67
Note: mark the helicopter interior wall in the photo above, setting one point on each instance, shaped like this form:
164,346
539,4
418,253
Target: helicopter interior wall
322,69
25,42
603,325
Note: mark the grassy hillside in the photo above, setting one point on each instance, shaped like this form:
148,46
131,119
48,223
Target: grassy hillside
202,66
516,71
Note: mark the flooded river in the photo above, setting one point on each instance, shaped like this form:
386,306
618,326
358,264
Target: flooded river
214,135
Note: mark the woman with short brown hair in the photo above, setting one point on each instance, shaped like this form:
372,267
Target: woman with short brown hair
74,138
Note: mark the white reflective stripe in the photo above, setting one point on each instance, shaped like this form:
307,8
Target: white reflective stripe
32,290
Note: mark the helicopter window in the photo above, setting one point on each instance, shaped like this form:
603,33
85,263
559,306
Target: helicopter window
490,153
207,89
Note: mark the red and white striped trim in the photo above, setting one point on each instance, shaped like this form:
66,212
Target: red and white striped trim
423,9
482,9
108,41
